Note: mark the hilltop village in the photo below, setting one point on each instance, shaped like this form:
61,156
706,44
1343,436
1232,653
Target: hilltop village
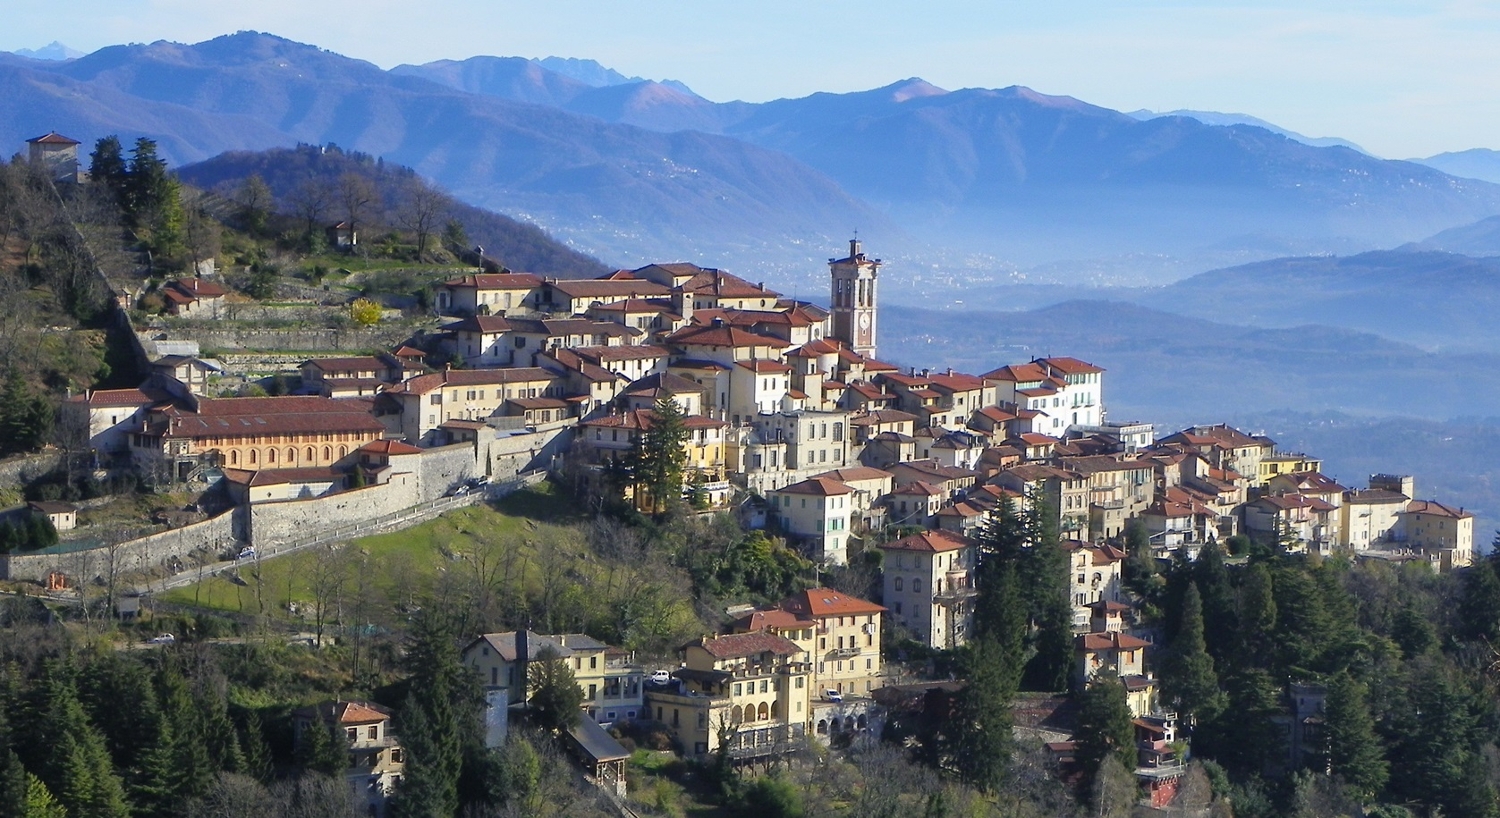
683,390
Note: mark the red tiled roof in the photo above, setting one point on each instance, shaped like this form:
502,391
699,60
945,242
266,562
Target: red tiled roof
53,138
736,645
389,447
724,336
608,288
1108,641
422,384
644,418
495,281
765,366
934,542
920,488
482,323
1437,509
856,473
120,397
774,618
820,602
820,486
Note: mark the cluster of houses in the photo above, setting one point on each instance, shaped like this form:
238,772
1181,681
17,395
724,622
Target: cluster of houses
794,423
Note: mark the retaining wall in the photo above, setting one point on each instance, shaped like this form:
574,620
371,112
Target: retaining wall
17,471
170,549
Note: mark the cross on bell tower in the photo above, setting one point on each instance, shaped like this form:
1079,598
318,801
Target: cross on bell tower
853,299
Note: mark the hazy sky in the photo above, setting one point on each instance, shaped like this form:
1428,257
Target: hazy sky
1401,78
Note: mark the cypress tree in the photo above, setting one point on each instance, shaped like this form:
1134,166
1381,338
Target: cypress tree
1303,626
1219,619
438,721
1104,724
1354,751
1044,573
1257,617
108,166
1188,680
980,741
555,697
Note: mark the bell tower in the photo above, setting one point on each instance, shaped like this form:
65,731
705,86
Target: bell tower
853,299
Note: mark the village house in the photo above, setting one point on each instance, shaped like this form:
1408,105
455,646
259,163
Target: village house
416,407
254,433
110,416
611,683
377,761
611,438
194,298
1069,391
1444,534
575,296
751,689
844,647
1297,521
870,487
62,516
1368,518
1096,576
929,587
499,294
816,512
195,375
349,377
1224,446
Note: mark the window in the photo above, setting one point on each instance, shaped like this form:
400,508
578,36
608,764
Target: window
353,733
593,692
900,584
373,733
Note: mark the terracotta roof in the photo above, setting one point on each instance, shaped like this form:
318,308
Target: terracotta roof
197,288
765,366
956,382
1108,641
495,281
120,397
342,712
347,364
53,138
856,473
1372,496
1017,373
1107,606
644,418
920,488
1071,366
774,618
51,507
663,383
538,403
724,336
422,384
820,602
256,417
1434,508
821,486
390,447
627,352
608,288
737,645
724,285
481,323
934,542
278,477
882,416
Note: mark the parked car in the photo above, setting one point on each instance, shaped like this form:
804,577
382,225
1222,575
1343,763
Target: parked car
660,677
833,695
162,639
246,553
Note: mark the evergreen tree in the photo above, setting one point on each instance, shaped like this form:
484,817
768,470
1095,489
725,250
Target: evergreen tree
1413,632
1479,605
555,697
1257,618
74,762
192,766
13,776
1246,736
1219,619
322,748
439,719
257,752
1303,626
1188,680
1354,751
1104,724
1000,608
980,739
1044,572
660,458
39,801
1140,566
39,532
25,415
107,167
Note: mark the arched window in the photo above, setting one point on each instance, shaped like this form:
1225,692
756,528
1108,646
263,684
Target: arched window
311,455
252,457
822,727
916,585
749,712
765,712
291,455
776,709
234,458
270,455
736,715
327,453
343,450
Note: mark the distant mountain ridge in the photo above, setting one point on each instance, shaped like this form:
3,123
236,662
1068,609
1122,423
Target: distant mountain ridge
1475,163
51,51
943,182
1219,118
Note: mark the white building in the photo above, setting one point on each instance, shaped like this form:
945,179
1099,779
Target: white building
929,587
1069,391
817,510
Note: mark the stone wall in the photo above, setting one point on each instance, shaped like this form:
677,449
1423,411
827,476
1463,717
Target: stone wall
17,471
173,550
512,454
443,468
289,520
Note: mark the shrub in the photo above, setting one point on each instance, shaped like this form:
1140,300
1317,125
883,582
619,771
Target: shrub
365,312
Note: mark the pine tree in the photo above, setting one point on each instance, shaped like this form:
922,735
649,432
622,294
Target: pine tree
1219,619
39,801
1257,617
322,748
1188,680
107,167
1104,724
980,739
1354,751
1245,736
1303,626
192,767
1479,605
1140,566
555,697
660,458
13,774
257,752
74,762
1044,572
439,720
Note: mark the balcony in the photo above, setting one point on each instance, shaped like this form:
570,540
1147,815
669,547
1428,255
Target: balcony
845,653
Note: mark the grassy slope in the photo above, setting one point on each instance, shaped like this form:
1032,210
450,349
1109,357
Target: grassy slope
416,555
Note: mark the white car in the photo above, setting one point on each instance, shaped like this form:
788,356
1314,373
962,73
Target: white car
162,639
660,677
833,695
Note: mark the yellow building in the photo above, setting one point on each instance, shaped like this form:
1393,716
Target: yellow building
609,679
844,643
257,433
1286,463
749,689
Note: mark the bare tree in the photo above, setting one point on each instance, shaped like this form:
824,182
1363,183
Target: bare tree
327,579
356,197
422,207
200,230
310,200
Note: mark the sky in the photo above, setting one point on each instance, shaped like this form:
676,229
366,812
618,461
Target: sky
1403,79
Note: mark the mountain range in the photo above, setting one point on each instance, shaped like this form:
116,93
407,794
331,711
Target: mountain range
972,184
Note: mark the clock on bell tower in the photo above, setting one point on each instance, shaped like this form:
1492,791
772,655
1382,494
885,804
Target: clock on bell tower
852,299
